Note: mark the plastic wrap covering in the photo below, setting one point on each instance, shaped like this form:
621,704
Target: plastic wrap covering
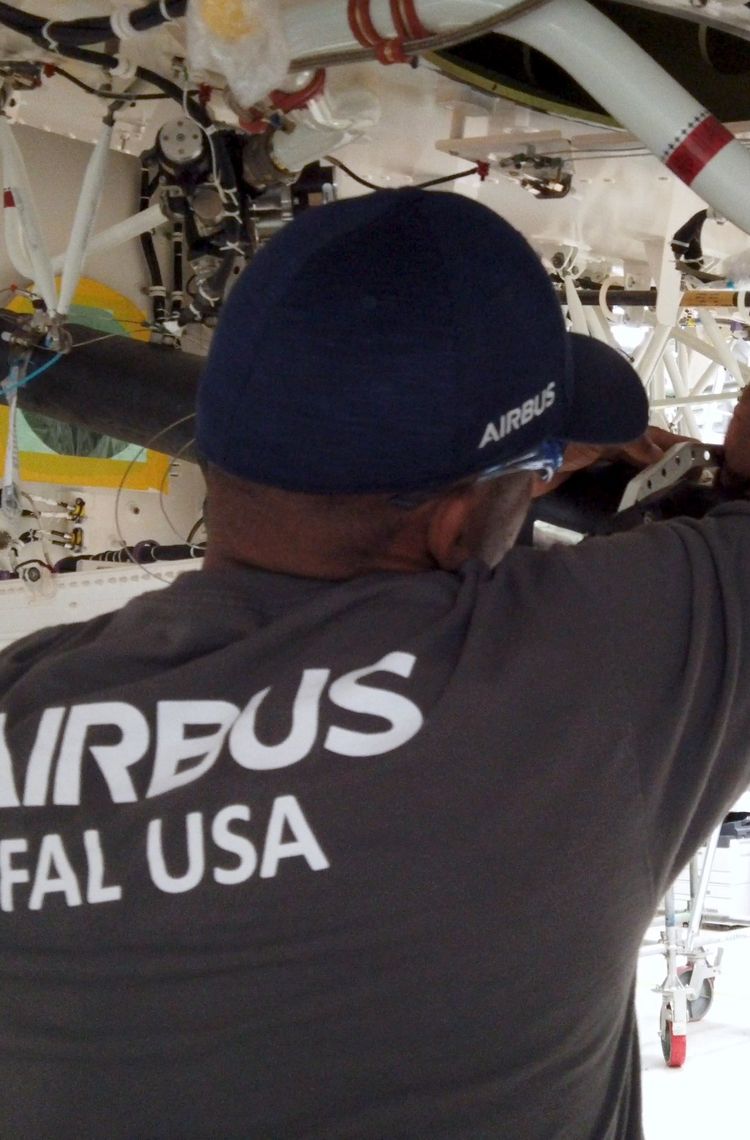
243,40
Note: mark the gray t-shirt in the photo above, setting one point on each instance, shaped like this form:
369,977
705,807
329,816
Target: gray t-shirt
282,858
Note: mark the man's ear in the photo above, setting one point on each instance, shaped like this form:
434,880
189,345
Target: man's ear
447,530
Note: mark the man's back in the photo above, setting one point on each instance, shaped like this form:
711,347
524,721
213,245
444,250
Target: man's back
295,858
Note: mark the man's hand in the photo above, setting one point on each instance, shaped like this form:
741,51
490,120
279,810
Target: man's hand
640,453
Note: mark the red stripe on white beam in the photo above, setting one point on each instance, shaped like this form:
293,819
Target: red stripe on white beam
689,155
8,199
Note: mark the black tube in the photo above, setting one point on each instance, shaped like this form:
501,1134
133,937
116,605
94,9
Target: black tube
158,300
119,387
686,242
88,29
178,287
623,298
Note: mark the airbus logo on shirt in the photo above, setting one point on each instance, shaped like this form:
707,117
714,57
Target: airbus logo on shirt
520,416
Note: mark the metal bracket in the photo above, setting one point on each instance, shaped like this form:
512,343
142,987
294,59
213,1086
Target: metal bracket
671,469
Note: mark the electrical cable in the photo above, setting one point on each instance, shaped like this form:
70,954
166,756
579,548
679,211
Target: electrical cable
118,496
90,29
416,186
11,389
194,529
108,94
162,495
156,291
107,62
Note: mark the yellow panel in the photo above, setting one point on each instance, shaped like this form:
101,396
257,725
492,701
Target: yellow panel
79,470
149,471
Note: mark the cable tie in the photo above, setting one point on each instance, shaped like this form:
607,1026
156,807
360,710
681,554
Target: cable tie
120,24
125,69
52,44
168,17
365,33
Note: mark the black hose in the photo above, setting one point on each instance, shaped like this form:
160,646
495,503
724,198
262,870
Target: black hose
156,292
178,242
141,393
88,29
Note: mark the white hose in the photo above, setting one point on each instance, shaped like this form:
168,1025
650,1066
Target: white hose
18,195
650,353
644,98
120,232
88,204
575,308
322,25
727,358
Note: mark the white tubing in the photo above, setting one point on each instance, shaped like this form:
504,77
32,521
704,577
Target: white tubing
643,97
17,251
120,232
711,353
322,25
599,327
305,144
15,181
695,401
651,353
727,358
680,385
88,204
575,308
326,123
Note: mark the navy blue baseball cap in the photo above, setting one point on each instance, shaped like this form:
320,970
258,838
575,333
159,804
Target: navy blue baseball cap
397,341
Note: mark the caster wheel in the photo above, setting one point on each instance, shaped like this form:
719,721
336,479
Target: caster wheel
673,1045
701,1003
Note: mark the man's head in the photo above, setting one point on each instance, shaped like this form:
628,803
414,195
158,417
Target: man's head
396,345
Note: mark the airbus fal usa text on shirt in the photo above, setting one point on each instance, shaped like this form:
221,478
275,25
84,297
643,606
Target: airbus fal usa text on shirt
74,745
50,868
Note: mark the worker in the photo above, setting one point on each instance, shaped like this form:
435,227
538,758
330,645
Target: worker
355,832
